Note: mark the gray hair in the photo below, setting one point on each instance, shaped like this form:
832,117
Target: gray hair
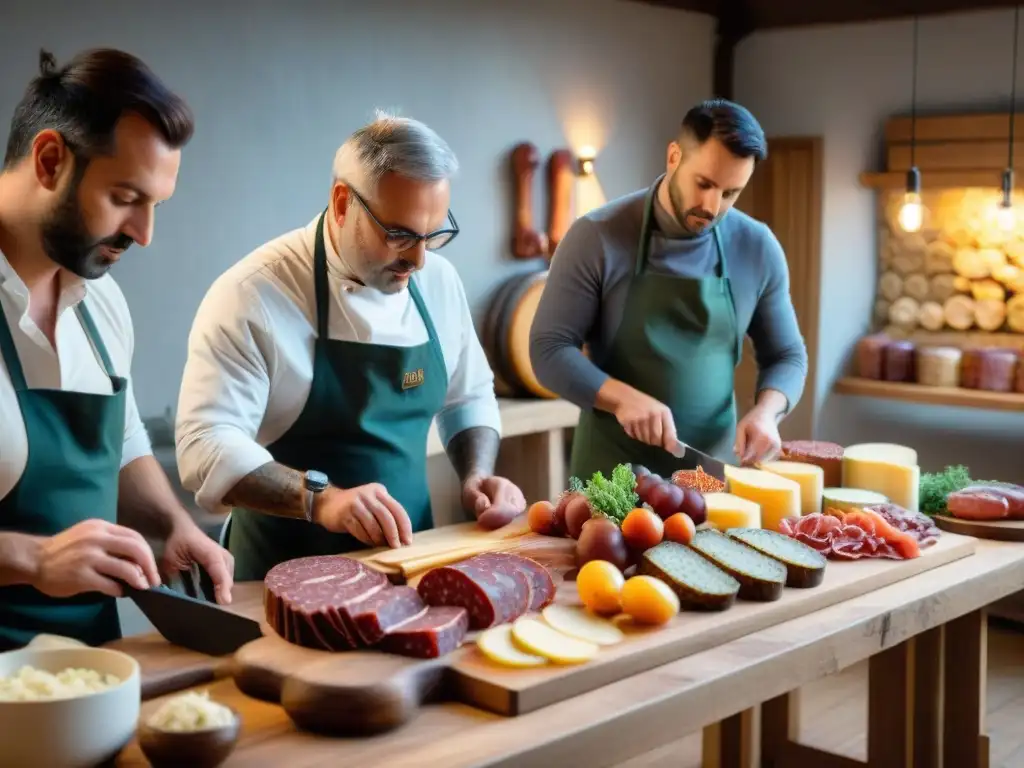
392,144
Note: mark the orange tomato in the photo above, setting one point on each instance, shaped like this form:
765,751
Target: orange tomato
541,518
642,529
680,528
599,584
648,600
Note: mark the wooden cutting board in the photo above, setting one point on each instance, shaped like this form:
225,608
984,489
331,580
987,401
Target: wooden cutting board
1001,530
365,692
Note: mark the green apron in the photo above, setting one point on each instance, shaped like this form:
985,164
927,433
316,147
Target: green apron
369,411
75,442
679,343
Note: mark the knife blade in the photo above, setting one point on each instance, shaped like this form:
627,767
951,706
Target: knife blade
193,622
695,458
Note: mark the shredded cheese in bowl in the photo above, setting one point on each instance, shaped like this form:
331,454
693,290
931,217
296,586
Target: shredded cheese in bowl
31,684
191,712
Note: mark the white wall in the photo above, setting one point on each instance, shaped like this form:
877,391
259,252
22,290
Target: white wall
276,91
843,83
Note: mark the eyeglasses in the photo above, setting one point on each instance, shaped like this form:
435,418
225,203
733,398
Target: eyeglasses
398,239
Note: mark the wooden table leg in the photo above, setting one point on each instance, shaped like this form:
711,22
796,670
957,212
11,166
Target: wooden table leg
928,698
965,670
780,727
890,708
732,743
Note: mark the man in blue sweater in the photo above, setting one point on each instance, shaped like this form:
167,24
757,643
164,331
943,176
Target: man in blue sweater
662,285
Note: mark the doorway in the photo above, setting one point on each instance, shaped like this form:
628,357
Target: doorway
785,193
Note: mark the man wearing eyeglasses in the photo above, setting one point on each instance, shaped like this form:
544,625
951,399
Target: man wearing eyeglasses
317,363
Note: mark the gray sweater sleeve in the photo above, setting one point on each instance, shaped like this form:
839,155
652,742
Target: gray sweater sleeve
778,344
565,318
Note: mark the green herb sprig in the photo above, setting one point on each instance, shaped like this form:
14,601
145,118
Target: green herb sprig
936,486
615,497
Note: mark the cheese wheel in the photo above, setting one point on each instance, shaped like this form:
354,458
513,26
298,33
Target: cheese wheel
993,258
939,258
959,311
942,287
889,469
890,286
917,287
777,496
809,477
1015,313
903,313
931,316
725,511
939,366
1011,276
987,289
990,314
1015,252
971,264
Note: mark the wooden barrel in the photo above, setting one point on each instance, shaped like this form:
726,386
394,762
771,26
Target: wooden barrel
507,335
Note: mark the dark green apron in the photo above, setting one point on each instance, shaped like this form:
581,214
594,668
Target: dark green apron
75,442
369,411
679,343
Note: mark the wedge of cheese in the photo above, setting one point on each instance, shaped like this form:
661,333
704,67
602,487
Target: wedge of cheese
810,478
725,511
885,468
777,496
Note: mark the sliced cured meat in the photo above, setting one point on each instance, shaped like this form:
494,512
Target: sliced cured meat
305,599
850,538
432,633
542,586
372,617
915,524
978,505
828,456
490,597
876,525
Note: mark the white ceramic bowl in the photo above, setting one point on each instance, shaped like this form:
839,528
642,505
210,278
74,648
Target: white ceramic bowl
69,733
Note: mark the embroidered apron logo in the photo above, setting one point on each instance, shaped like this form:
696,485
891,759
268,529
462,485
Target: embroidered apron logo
412,379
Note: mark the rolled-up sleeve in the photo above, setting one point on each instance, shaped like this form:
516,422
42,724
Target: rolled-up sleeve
471,401
224,392
778,343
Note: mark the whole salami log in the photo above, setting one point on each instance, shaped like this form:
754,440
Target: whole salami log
1014,495
977,505
828,456
493,592
433,633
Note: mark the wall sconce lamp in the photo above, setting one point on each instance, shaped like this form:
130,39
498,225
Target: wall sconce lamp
586,161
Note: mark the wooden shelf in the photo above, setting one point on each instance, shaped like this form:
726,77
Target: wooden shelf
924,395
985,177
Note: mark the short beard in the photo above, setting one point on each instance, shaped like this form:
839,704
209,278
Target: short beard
68,243
682,214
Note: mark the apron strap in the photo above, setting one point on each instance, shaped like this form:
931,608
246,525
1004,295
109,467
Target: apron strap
422,307
323,306
94,337
643,248
10,355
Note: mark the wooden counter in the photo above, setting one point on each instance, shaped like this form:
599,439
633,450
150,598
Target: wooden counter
924,636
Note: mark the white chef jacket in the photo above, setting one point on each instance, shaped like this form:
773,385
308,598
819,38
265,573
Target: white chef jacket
250,355
73,367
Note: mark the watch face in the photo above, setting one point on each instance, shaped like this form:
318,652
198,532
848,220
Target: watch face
316,481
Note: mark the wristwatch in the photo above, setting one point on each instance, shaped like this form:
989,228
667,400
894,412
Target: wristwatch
315,482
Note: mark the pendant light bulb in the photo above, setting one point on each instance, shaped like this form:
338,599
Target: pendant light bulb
911,215
1006,216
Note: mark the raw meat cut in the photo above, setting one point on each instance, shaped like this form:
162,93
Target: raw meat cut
493,590
374,616
433,632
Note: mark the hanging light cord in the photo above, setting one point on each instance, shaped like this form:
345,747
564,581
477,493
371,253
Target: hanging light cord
1013,80
913,100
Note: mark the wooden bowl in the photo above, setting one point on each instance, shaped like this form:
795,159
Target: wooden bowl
207,748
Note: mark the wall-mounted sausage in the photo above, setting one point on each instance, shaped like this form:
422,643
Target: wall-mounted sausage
560,178
527,243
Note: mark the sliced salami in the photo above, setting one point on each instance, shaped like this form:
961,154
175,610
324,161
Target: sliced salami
489,596
432,633
916,524
542,586
372,617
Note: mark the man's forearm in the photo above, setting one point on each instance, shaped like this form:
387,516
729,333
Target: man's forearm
273,489
19,557
474,451
146,501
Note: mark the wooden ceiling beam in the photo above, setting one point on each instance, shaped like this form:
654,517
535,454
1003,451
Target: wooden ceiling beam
734,23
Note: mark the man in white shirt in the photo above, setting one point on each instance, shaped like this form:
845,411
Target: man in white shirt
317,363
93,148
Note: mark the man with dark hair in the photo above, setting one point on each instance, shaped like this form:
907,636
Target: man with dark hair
662,285
94,147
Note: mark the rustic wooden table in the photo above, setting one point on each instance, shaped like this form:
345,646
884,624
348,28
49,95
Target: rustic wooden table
925,638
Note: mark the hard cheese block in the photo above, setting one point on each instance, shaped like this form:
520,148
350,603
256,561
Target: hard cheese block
810,478
777,496
725,511
885,468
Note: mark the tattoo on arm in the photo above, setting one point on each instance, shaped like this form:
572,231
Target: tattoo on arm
474,451
273,488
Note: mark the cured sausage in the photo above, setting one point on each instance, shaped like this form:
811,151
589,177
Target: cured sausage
433,633
1014,495
374,616
527,243
560,178
828,456
493,589
977,505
